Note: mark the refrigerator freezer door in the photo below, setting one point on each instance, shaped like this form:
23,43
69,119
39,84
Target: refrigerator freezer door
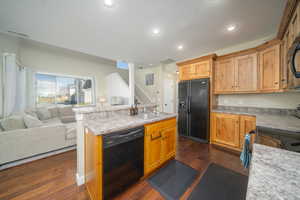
183,123
199,109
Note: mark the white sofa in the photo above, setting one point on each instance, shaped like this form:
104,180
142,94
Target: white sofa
55,134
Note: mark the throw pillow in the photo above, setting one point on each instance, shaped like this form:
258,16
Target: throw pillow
13,122
32,122
43,114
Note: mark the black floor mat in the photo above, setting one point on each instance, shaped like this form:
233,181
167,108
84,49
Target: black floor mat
173,179
220,183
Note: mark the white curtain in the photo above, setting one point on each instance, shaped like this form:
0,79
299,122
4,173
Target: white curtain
9,83
18,86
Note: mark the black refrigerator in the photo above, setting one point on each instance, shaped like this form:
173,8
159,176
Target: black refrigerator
193,110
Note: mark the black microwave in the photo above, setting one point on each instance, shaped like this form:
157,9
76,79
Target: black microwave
294,53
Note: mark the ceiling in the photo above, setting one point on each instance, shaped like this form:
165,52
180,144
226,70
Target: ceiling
125,30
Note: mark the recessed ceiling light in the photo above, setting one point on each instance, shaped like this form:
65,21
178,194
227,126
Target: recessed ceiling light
180,47
231,28
156,31
150,64
108,3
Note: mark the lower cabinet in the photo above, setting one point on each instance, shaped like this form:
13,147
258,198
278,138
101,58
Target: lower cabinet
93,165
228,130
160,144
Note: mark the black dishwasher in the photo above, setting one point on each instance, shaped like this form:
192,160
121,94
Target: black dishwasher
123,160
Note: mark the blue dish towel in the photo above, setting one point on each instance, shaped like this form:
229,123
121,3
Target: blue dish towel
246,154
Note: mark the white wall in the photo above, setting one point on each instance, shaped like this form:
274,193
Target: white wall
117,87
49,59
44,58
154,90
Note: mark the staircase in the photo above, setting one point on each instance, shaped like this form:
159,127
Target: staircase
141,96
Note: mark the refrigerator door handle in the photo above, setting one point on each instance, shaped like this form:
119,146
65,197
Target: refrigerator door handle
189,104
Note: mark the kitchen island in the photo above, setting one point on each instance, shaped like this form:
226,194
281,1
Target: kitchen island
274,174
157,146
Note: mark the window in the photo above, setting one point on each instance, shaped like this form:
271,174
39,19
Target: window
53,89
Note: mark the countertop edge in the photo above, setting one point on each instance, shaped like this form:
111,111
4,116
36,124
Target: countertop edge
97,133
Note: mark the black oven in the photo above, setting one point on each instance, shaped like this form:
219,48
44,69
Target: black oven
123,160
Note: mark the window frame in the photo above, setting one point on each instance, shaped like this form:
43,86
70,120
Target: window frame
67,76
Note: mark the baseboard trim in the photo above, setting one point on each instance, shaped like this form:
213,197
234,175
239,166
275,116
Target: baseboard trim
36,157
79,179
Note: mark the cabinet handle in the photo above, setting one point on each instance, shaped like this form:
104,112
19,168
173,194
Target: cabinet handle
155,138
276,83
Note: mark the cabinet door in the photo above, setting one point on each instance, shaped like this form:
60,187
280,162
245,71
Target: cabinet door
168,143
246,73
224,76
184,72
269,68
153,148
226,129
247,124
200,70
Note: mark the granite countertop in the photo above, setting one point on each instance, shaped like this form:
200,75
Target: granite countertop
101,126
274,174
267,120
93,109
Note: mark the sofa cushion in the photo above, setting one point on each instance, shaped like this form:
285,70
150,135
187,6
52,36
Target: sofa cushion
13,122
43,114
32,122
54,112
66,111
52,121
68,119
31,111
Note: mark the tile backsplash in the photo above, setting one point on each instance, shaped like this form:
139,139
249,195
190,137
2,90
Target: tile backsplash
288,100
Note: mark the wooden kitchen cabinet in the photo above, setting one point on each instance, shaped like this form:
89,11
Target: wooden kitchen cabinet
184,72
228,130
225,129
160,144
246,73
269,68
168,143
200,70
224,76
196,68
247,124
93,165
153,148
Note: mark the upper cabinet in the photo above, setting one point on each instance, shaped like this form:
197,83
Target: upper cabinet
246,73
269,70
194,71
184,72
200,70
196,68
236,74
224,76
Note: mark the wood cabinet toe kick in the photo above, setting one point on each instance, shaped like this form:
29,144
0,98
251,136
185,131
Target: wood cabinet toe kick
159,146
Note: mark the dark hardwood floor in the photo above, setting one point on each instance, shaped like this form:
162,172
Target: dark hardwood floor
54,177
